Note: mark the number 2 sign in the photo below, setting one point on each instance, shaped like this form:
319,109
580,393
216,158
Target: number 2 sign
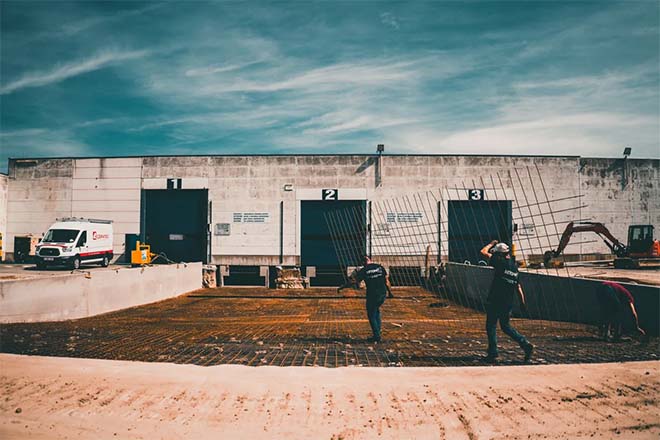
476,194
329,194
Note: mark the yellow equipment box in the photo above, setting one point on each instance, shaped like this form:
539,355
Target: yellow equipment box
141,255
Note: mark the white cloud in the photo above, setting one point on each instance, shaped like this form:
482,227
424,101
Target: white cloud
597,134
211,70
389,19
75,27
37,142
62,72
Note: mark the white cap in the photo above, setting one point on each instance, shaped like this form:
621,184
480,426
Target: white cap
500,247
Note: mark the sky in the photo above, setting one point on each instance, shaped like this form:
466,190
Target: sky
145,78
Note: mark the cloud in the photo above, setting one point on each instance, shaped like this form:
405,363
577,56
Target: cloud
75,27
62,72
210,70
327,78
389,19
38,142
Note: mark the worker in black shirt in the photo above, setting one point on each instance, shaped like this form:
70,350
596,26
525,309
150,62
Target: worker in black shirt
378,286
500,299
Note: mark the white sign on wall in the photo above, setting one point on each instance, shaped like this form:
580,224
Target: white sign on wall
222,229
382,229
251,217
526,230
403,217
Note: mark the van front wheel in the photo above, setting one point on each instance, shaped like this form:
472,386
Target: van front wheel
106,261
75,264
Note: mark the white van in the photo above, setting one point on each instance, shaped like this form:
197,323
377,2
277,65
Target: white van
72,241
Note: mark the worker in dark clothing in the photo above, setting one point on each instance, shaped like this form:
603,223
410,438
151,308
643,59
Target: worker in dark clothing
616,306
378,286
500,299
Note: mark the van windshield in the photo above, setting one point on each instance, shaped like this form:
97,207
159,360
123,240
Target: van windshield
60,236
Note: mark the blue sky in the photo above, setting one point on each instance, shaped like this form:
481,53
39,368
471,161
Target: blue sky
130,78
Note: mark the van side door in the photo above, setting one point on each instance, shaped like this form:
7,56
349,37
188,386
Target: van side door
82,245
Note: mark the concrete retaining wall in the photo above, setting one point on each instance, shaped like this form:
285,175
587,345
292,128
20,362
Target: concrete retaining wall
72,296
551,297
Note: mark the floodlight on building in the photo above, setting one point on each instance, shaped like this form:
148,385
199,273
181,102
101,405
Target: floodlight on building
380,148
627,151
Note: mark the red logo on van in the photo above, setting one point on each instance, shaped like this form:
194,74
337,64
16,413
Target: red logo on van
97,236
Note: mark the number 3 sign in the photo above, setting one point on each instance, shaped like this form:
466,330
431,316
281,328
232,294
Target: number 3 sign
476,194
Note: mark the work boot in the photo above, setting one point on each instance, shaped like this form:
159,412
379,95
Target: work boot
529,349
374,339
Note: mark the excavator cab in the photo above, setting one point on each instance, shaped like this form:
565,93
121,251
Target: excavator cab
640,239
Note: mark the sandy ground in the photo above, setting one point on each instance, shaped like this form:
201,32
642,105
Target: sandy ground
57,398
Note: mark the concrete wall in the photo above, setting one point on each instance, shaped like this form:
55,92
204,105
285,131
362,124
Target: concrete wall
551,297
621,192
72,296
41,190
3,213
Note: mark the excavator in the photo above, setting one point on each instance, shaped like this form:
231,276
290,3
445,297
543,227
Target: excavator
641,244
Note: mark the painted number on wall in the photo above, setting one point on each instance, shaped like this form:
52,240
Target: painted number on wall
329,194
476,194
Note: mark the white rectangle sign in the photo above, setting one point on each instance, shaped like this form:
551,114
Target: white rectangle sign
403,217
251,217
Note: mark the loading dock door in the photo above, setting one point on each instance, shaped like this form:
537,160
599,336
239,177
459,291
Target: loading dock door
472,224
347,226
175,223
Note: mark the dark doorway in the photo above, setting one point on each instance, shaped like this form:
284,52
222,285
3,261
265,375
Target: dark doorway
321,221
175,223
472,224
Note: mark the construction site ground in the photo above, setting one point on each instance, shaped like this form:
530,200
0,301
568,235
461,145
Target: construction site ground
312,327
59,398
645,275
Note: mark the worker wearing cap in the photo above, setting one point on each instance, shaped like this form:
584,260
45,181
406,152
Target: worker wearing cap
500,299
378,286
616,306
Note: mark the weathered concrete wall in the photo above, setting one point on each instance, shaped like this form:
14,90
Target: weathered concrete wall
39,192
3,213
621,192
551,297
110,188
72,296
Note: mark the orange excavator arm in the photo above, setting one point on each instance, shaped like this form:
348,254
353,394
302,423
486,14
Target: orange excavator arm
618,248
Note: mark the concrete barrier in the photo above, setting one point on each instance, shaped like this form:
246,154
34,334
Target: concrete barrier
551,297
72,296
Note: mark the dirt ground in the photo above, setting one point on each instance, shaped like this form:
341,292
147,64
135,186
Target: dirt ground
313,327
58,398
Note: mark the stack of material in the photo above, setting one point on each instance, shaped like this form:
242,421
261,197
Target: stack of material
209,276
290,279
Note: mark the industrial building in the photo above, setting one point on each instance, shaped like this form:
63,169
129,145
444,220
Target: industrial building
253,212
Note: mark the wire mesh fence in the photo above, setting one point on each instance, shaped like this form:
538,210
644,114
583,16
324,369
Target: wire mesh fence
432,239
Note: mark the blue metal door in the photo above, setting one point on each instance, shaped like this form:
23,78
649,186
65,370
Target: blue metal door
473,224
